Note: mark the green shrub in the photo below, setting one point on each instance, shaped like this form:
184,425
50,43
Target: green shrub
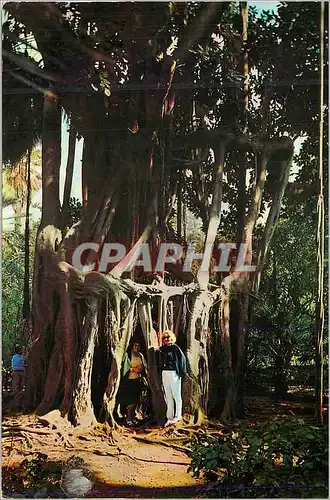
36,476
279,459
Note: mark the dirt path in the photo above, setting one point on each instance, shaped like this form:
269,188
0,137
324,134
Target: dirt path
141,471
121,467
124,468
163,472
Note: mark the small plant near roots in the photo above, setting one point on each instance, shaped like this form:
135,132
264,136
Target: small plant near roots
25,447
280,459
35,477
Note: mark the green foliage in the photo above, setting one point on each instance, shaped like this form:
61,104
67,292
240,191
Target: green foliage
283,458
35,476
283,80
12,289
75,211
284,314
22,110
14,178
8,191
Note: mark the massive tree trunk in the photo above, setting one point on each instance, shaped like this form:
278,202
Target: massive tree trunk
129,182
82,411
238,288
45,300
196,385
152,342
67,325
121,337
51,160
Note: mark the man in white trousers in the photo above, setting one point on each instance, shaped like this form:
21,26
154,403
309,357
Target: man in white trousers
172,364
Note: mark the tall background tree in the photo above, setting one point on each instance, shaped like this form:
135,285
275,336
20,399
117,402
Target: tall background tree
320,236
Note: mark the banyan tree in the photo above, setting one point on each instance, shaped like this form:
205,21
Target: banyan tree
159,93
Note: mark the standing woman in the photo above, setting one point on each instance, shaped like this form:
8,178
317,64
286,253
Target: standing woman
134,368
172,364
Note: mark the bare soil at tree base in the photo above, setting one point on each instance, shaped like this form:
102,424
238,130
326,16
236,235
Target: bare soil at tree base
124,464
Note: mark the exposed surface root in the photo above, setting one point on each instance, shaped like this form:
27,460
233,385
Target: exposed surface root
120,454
118,460
19,429
185,449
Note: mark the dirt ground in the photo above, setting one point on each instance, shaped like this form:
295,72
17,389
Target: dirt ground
122,466
145,462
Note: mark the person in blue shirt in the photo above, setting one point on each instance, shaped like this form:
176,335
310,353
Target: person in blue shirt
17,366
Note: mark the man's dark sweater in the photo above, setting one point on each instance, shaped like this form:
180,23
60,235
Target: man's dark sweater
172,358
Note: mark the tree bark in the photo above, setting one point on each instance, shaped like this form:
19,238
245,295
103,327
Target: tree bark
82,410
215,214
121,337
244,18
179,209
320,242
45,271
196,383
272,219
152,343
238,284
51,161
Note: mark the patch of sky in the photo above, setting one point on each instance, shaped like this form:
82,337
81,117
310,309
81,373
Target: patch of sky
76,189
261,6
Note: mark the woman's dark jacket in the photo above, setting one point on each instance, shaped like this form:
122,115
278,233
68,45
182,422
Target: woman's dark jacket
171,357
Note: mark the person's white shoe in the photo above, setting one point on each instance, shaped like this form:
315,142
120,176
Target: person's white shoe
175,420
169,422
